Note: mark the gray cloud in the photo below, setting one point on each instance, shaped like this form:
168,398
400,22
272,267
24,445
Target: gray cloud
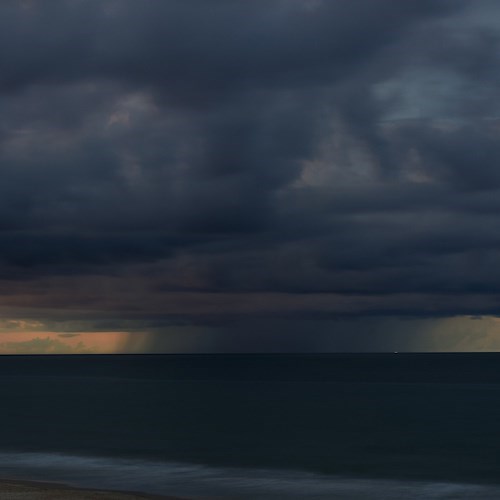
200,153
41,345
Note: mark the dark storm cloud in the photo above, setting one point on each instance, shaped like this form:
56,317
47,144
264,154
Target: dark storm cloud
197,46
275,157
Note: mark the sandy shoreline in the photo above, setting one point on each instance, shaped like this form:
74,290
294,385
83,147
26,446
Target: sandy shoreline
34,490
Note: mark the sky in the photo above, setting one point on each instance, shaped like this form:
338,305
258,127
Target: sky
264,176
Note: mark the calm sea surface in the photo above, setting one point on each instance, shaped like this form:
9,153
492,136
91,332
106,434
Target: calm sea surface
343,426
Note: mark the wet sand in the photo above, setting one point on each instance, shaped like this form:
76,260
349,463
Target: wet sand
31,490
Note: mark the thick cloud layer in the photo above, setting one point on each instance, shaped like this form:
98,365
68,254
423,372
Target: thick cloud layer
206,160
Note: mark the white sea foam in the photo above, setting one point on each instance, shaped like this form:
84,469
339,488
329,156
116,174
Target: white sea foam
235,483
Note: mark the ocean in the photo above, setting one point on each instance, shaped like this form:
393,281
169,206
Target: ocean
327,426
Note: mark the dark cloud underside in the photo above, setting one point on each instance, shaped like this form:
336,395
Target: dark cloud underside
196,160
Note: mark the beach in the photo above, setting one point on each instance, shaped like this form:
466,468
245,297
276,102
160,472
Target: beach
33,490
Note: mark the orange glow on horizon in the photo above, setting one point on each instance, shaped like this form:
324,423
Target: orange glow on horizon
49,342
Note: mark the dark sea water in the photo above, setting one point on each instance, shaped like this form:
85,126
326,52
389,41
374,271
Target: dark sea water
340,426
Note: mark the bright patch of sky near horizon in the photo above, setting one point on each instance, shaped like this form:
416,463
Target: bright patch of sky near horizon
57,343
456,334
